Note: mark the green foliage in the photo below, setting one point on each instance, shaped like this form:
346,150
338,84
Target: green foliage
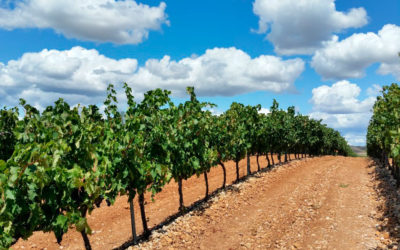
383,137
220,138
8,121
55,174
143,136
235,120
189,132
56,166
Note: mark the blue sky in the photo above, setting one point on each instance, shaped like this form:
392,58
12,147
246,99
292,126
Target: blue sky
328,58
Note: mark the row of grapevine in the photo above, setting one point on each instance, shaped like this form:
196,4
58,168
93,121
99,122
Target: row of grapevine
58,165
383,137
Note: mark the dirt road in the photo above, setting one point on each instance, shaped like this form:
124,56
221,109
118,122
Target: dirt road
327,202
322,203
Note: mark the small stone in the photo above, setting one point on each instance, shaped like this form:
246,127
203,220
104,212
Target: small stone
386,235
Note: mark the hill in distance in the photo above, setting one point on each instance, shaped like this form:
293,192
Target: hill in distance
360,150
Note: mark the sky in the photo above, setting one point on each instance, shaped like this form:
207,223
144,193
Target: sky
327,58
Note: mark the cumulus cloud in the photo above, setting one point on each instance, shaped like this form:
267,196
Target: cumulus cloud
374,90
264,111
352,126
302,26
77,75
340,98
356,121
340,107
356,139
350,57
121,22
392,68
77,70
214,111
221,71
81,76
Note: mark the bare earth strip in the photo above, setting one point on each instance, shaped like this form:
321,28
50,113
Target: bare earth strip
317,203
322,203
111,225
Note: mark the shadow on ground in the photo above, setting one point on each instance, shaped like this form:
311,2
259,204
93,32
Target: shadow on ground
387,190
200,205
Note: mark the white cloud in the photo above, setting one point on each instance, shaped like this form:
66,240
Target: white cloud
390,68
374,90
78,75
77,70
214,111
352,126
40,99
340,98
81,76
340,107
350,57
264,111
302,26
356,121
355,139
221,71
122,22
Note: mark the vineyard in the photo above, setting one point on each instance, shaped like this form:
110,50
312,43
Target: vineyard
383,138
59,164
